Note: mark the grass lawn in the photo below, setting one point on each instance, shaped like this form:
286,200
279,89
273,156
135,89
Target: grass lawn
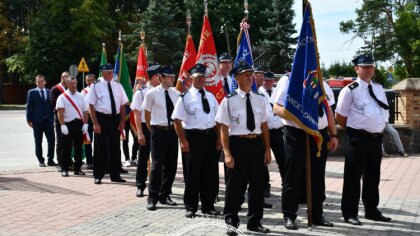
12,107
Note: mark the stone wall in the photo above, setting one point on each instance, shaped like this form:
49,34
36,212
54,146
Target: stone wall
408,102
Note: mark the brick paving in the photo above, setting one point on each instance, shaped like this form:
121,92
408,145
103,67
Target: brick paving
39,201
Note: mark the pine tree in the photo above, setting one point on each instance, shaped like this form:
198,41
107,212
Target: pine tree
164,26
277,36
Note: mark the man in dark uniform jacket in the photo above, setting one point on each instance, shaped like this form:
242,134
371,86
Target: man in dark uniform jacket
56,91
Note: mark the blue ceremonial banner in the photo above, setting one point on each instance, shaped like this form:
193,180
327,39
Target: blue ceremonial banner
305,93
243,53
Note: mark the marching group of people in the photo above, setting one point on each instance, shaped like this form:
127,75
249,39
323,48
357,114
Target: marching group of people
244,129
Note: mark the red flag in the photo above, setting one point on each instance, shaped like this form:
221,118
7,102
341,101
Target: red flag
142,64
184,81
207,55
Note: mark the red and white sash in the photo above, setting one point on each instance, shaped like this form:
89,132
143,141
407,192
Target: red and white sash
61,88
86,137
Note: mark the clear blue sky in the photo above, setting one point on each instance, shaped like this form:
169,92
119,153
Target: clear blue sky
333,46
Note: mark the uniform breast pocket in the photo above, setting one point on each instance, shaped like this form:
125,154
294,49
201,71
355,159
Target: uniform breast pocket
360,104
192,108
258,115
238,117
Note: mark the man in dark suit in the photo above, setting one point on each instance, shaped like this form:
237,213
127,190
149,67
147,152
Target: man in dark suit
39,115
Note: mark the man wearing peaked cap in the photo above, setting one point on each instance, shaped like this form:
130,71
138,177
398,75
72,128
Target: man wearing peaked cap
166,70
107,67
362,110
107,100
363,60
197,70
225,66
258,76
158,106
199,137
241,67
246,145
143,133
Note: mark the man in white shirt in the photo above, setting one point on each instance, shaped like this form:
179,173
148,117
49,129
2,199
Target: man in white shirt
107,100
158,105
246,145
143,133
225,65
362,109
90,79
198,134
73,115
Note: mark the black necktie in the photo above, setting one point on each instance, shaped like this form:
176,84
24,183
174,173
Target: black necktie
42,95
206,106
226,86
372,94
169,107
111,95
250,123
269,92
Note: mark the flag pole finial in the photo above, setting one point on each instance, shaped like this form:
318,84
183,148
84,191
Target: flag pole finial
206,7
188,20
142,35
119,36
103,44
246,11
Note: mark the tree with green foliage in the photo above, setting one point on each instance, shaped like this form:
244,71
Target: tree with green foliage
390,30
342,69
164,26
277,35
65,31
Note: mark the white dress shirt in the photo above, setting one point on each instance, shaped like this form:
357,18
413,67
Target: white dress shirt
361,110
99,96
229,80
138,99
280,98
70,113
232,113
329,94
189,109
155,102
274,121
43,90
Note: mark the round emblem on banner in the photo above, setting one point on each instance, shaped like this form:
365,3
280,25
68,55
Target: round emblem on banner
212,71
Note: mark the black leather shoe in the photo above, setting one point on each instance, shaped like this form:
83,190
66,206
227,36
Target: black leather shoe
259,229
267,193
139,193
211,212
79,172
119,180
52,163
321,221
65,173
151,206
190,214
268,205
290,224
89,166
167,201
352,221
42,165
122,171
98,181
231,232
378,217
